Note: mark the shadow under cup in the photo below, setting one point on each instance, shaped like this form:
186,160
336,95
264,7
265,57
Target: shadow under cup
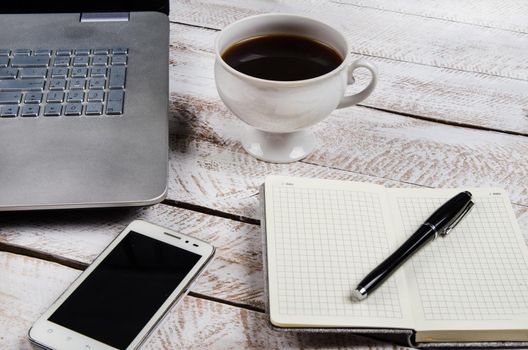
278,113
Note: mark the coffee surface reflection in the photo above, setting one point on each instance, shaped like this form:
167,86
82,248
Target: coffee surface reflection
282,57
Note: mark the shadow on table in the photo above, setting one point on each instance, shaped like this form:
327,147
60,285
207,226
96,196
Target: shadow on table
68,216
343,340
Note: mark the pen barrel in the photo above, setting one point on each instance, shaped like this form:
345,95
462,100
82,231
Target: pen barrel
375,278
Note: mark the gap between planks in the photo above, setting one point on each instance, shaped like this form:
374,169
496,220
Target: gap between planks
445,122
79,265
210,211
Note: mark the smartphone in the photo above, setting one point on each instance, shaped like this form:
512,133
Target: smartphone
119,299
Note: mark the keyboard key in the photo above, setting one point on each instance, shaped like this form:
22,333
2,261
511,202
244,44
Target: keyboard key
73,109
30,111
55,96
53,110
9,111
78,72
117,78
57,84
75,96
101,51
10,97
8,73
119,60
116,95
94,108
97,83
30,61
82,52
4,61
33,97
77,83
114,107
63,52
119,50
81,61
98,72
95,96
99,60
59,72
62,61
26,84
22,52
33,73
5,52
42,52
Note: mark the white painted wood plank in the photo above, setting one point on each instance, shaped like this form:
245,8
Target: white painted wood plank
229,176
507,15
235,274
359,139
437,94
29,286
386,34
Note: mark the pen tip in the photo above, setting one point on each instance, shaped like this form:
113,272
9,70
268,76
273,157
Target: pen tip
357,295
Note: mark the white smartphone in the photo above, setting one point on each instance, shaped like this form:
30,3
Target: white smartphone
119,299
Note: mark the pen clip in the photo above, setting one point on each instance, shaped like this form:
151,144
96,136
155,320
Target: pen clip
455,222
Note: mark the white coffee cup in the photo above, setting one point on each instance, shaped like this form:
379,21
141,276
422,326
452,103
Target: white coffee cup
279,113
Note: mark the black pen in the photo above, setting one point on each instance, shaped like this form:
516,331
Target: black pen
443,220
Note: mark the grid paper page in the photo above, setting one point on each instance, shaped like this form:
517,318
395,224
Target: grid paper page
325,242
477,272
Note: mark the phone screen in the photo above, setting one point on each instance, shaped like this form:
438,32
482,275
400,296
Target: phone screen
125,290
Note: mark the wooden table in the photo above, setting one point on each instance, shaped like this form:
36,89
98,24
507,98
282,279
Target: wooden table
450,109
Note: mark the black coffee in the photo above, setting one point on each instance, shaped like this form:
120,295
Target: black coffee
282,57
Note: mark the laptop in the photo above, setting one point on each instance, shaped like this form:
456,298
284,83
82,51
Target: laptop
83,103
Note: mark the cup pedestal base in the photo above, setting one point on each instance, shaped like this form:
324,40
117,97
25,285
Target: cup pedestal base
277,147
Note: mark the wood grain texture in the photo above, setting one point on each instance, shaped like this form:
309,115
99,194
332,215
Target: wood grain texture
29,286
509,15
235,274
358,139
226,178
386,34
443,95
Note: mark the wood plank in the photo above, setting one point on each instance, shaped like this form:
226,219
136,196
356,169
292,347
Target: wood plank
380,144
444,95
231,179
225,178
29,286
385,34
80,235
359,139
509,15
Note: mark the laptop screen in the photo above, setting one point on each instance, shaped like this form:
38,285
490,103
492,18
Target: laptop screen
41,6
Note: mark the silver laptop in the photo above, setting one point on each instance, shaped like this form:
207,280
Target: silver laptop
83,104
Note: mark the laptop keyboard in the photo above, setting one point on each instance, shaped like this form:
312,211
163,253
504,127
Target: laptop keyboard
62,82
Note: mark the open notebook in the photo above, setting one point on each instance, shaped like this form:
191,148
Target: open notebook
324,236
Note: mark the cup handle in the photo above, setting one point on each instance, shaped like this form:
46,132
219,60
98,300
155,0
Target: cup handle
351,100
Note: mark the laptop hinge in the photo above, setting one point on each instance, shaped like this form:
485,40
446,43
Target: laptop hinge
105,16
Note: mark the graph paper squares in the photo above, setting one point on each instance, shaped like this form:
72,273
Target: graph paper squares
325,241
465,275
